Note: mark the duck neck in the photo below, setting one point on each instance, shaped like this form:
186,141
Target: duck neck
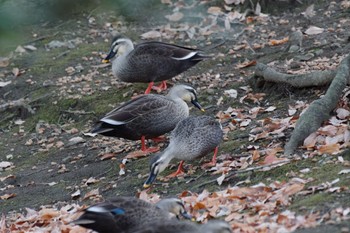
167,156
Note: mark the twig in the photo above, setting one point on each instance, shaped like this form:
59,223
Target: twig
105,172
78,112
41,38
223,41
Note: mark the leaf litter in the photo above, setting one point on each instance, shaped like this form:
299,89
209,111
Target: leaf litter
259,207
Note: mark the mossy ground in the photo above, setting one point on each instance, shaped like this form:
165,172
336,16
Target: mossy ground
34,170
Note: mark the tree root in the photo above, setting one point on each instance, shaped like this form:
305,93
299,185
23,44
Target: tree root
319,110
317,78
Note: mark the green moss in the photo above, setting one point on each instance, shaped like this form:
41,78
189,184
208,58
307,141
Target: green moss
311,201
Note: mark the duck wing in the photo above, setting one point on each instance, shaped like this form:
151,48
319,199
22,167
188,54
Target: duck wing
136,108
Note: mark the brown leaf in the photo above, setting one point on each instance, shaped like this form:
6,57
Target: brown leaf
4,61
293,189
246,64
278,42
214,10
8,196
92,193
329,149
151,35
107,156
175,16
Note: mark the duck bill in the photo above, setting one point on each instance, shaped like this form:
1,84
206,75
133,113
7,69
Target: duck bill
186,215
150,180
109,56
197,105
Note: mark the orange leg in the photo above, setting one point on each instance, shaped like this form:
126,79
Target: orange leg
213,160
178,172
159,139
145,149
163,86
149,88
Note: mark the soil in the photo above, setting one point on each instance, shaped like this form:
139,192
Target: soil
48,168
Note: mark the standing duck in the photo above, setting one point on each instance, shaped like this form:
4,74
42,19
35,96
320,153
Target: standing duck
193,137
124,213
148,116
150,62
171,226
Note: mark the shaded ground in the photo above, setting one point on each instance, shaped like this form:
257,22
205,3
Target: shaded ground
48,167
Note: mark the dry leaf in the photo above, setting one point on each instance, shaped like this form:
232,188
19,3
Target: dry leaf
7,196
4,61
175,16
107,156
270,109
2,84
76,194
214,10
92,193
151,35
329,149
221,179
278,42
312,30
309,12
236,2
344,171
5,164
342,113
16,72
246,64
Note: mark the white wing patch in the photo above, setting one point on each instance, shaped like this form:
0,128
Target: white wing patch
188,56
112,122
97,209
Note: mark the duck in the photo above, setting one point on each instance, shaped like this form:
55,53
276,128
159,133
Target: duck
171,226
192,138
151,61
148,116
121,214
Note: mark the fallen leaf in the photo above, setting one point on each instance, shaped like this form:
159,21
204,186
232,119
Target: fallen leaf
214,10
4,61
329,149
246,64
270,109
7,177
76,140
92,193
231,93
3,84
16,72
221,179
151,35
5,164
7,196
278,42
30,47
175,16
309,12
76,194
344,171
342,113
107,156
236,2
312,30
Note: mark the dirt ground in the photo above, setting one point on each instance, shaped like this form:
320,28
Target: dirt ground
69,89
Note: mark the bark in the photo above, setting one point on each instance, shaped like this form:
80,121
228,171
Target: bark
317,78
320,109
